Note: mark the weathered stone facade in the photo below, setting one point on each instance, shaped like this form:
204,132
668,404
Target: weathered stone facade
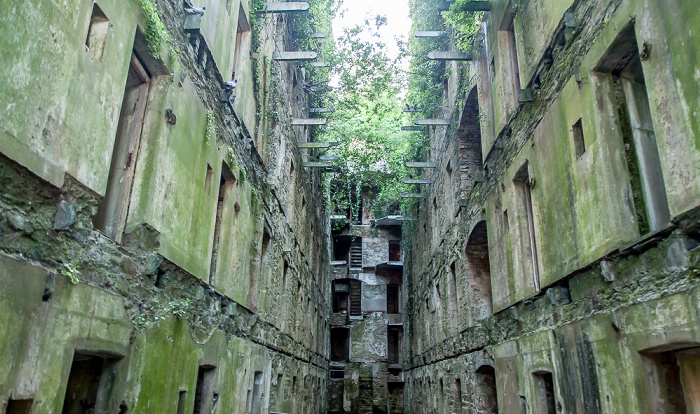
161,251
556,269
367,319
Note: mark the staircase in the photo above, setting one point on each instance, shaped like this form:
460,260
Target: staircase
356,253
355,298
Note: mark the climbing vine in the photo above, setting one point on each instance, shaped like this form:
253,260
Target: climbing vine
210,132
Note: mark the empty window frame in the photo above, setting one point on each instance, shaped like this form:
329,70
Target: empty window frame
257,392
242,44
394,334
577,135
623,63
392,298
524,200
544,392
204,394
337,374
469,136
97,32
112,211
341,248
341,293
88,383
478,270
340,345
394,250
181,402
356,252
486,398
510,66
19,406
226,186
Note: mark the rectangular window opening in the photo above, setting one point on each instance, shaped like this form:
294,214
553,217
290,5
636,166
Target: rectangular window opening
226,185
522,181
392,299
337,374
257,392
19,406
394,334
340,346
87,381
394,250
341,293
97,32
577,133
204,394
181,401
207,179
112,210
544,392
355,298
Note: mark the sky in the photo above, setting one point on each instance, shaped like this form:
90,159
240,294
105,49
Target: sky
396,12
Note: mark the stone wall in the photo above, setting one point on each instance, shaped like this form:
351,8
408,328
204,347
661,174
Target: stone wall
207,291
562,278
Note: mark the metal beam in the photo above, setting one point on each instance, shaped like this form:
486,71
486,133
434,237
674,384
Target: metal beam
431,34
411,128
317,164
316,144
338,217
435,121
308,121
321,110
412,195
292,56
320,64
450,55
329,158
420,164
286,7
417,181
317,35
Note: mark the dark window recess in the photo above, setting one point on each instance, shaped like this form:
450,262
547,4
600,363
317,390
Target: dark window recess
624,64
88,375
181,400
207,179
242,38
340,345
485,390
19,406
394,334
341,248
577,133
394,251
392,299
458,396
522,181
355,298
478,266
97,33
341,291
257,392
356,252
337,374
203,397
544,389
226,185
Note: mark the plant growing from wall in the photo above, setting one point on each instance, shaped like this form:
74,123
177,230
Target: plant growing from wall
157,37
210,131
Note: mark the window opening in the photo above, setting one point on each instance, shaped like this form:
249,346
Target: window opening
204,393
340,345
181,401
479,271
577,133
394,334
112,211
623,63
341,292
87,382
19,406
394,250
512,47
97,32
458,396
207,179
337,374
486,392
522,181
242,39
392,299
469,135
544,390
257,392
226,185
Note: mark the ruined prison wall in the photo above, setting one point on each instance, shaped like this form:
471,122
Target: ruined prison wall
161,250
553,266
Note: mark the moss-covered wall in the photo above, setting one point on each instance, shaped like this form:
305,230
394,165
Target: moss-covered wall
595,262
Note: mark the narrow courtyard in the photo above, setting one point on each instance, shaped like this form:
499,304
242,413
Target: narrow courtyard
336,207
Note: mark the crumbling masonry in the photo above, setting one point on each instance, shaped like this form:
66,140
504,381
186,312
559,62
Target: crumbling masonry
163,249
